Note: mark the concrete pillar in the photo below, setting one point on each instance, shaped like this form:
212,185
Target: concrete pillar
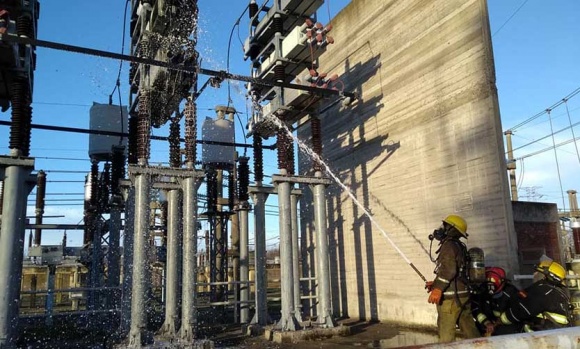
244,264
288,321
15,193
114,259
189,291
128,233
49,305
261,315
139,334
172,281
296,257
324,308
235,253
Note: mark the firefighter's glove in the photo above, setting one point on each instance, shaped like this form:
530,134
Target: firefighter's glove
435,296
429,286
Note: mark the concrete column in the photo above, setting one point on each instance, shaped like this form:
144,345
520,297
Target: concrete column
172,290
324,308
511,166
189,291
11,249
244,265
114,268
139,334
261,315
296,257
49,305
235,253
128,233
288,321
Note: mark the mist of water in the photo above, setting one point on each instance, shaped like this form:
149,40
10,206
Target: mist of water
309,152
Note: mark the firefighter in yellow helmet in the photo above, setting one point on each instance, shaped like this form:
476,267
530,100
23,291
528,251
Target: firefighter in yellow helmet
449,291
545,304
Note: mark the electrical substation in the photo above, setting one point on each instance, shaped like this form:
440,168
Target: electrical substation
349,108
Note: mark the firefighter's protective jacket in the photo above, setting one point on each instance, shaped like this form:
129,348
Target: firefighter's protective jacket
450,269
486,307
546,306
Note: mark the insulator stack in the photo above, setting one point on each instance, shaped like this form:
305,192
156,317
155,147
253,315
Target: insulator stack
279,72
94,184
190,132
212,190
258,159
174,143
278,24
24,27
40,191
231,190
143,127
21,117
105,187
40,195
316,142
285,151
145,47
132,158
27,127
243,179
253,10
118,168
164,214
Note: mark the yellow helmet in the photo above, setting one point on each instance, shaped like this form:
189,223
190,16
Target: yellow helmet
553,271
458,223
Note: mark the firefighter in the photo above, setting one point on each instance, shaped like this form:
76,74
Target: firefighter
493,298
449,291
545,305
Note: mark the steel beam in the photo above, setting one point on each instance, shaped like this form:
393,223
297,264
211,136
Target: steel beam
261,287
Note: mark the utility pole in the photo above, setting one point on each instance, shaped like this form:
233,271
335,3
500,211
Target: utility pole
511,165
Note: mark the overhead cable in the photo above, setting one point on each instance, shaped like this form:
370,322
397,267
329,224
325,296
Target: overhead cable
572,129
552,107
556,157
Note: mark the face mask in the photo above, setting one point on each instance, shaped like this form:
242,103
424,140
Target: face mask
438,234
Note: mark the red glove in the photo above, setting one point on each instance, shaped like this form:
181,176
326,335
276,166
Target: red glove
435,296
429,286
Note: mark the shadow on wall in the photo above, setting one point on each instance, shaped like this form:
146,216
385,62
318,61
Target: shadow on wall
353,149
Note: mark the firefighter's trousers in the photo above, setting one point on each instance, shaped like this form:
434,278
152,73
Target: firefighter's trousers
451,313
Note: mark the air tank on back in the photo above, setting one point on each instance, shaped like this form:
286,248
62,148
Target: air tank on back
476,267
111,118
221,129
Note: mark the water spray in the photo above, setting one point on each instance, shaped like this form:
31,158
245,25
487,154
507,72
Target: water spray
321,162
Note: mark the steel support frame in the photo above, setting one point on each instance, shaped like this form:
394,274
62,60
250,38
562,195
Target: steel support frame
15,172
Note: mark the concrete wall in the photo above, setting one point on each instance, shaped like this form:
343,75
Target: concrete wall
424,141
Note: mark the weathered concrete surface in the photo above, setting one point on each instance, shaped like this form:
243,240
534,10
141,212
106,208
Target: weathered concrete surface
425,140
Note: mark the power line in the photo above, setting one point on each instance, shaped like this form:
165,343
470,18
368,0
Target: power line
557,162
548,136
552,107
572,129
509,19
548,148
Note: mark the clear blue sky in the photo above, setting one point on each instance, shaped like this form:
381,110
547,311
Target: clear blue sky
536,57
